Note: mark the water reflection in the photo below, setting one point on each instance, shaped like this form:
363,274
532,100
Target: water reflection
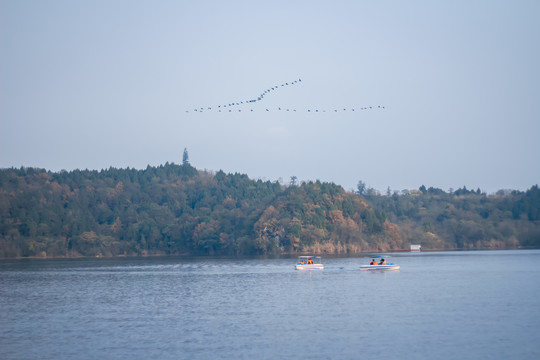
441,305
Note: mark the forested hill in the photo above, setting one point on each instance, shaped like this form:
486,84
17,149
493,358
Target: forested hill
177,209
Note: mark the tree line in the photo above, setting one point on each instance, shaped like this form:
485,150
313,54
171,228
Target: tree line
465,219
178,209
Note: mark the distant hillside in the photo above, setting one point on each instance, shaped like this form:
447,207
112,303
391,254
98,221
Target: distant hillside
465,219
177,209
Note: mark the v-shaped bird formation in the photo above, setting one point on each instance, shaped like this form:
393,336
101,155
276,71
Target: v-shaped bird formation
244,105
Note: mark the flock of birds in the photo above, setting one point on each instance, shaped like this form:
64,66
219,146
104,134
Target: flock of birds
234,106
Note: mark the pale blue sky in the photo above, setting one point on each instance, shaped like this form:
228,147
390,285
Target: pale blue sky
94,84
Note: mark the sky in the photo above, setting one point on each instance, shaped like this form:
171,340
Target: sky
453,86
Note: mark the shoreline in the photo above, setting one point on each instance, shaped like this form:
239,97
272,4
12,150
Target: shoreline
285,255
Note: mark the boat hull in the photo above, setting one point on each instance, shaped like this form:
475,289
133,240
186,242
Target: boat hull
379,267
309,267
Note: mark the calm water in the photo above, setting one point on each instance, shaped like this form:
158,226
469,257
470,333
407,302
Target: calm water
472,305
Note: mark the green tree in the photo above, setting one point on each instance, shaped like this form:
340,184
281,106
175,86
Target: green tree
361,187
293,180
185,157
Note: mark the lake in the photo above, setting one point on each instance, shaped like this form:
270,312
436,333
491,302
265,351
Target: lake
439,305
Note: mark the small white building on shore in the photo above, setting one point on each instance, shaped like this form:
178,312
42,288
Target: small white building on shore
415,248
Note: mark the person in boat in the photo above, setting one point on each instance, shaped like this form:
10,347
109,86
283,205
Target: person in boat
310,261
302,262
382,262
373,262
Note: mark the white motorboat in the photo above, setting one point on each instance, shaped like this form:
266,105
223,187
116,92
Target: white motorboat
308,262
380,265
